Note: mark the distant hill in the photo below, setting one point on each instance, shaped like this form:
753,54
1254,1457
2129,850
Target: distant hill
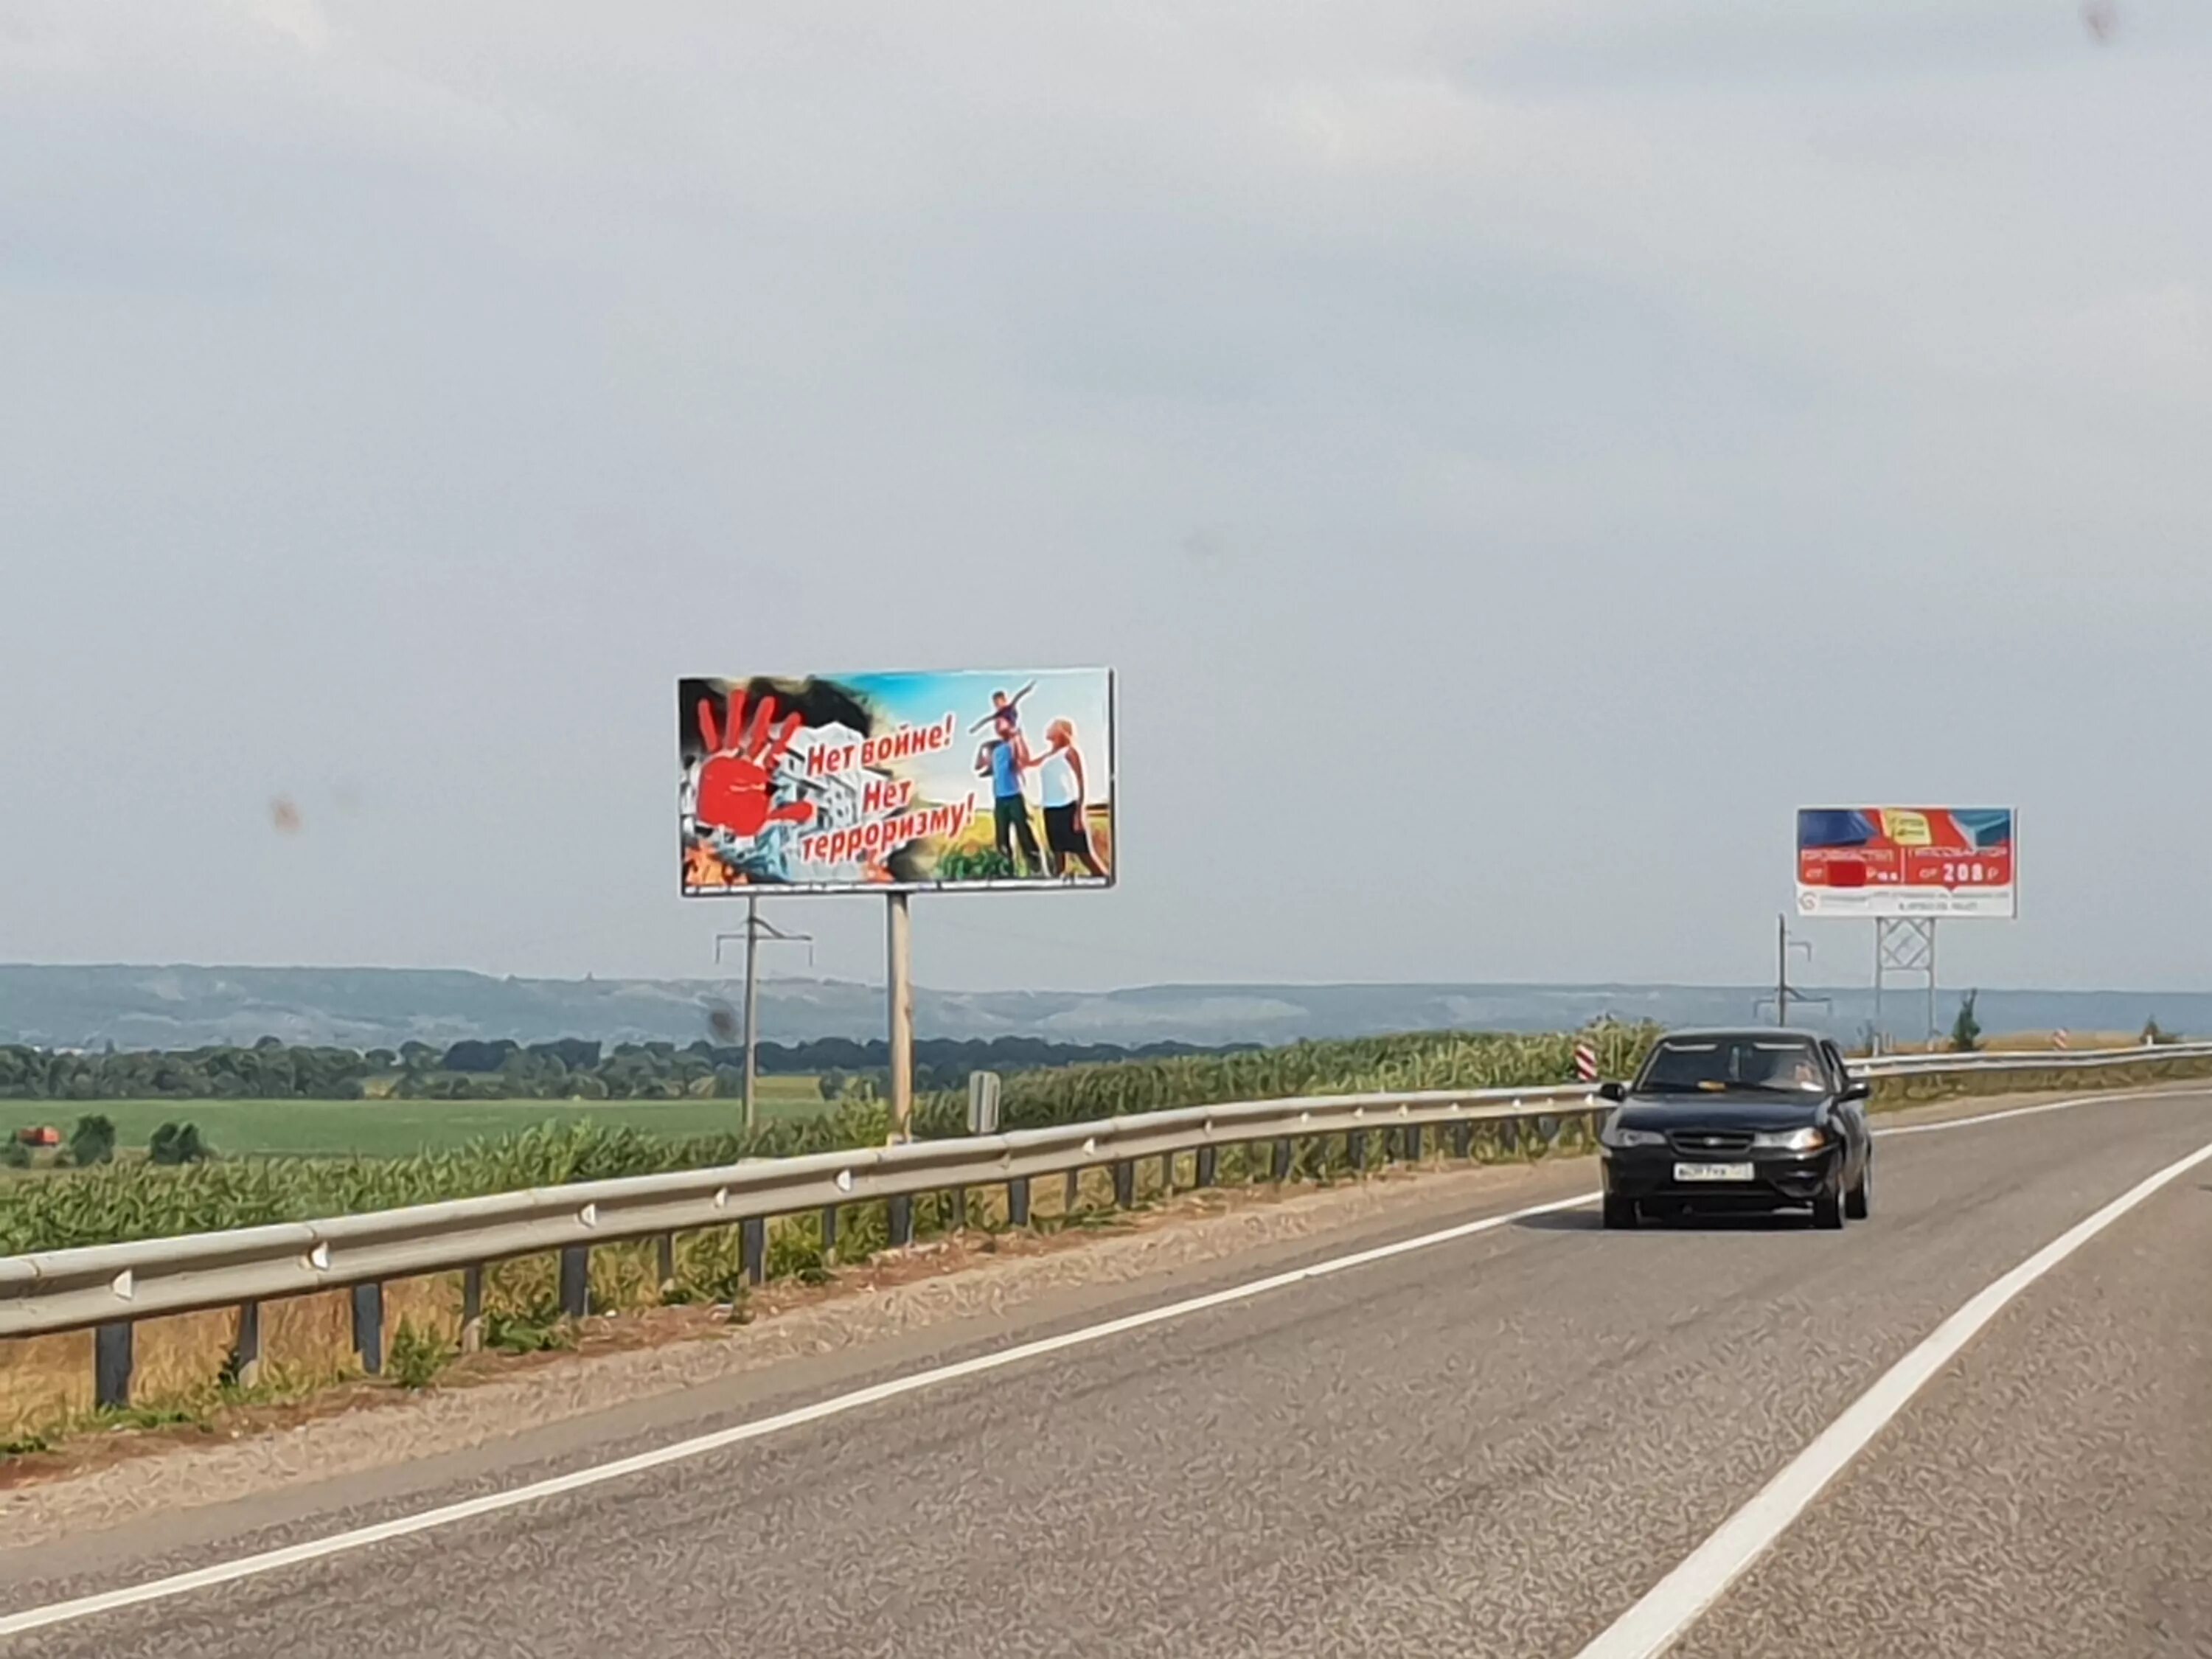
368,1007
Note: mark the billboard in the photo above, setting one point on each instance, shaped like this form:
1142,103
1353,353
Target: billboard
1888,861
895,782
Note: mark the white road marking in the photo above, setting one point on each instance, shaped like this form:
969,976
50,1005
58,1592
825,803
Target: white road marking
265,1561
2032,1111
1656,1622
224,1572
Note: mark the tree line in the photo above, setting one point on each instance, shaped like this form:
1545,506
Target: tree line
571,1068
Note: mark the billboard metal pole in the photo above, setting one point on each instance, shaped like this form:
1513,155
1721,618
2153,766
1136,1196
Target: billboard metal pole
1880,1030
1782,970
902,1021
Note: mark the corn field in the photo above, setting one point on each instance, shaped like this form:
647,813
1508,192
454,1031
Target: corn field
110,1203
1427,1060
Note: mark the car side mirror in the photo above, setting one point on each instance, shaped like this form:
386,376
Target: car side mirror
1612,1092
1857,1089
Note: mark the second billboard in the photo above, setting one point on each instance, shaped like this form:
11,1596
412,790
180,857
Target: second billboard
884,783
1888,861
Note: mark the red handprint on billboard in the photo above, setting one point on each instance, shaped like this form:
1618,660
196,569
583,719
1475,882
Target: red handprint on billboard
737,778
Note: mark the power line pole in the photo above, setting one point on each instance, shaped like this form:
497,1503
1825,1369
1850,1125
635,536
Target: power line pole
755,931
1785,993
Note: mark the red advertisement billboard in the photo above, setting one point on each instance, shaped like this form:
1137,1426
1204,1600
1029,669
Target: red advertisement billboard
1907,861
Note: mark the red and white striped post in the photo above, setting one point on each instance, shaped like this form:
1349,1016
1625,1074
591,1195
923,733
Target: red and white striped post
1585,1060
2058,1038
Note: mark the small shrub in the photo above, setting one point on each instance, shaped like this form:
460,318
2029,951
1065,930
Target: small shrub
92,1141
528,1330
149,1416
13,1154
417,1357
174,1145
709,1267
1967,1030
794,1250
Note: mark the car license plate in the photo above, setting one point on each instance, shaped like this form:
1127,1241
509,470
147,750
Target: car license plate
1712,1172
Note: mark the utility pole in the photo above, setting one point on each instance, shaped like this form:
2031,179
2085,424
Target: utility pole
1785,993
755,931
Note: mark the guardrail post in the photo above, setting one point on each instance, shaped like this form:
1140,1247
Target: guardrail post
664,1263
1074,1196
245,1353
575,1281
900,1215
1355,1150
368,1326
1208,1161
752,1248
1282,1169
1017,1201
1412,1136
1125,1184
959,1209
110,1365
828,1234
1463,1140
1167,1174
472,1308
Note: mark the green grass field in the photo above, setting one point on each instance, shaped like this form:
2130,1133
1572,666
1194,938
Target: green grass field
396,1128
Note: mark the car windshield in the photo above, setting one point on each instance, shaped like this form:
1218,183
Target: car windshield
1709,1064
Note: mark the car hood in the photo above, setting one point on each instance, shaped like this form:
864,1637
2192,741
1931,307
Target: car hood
1743,1110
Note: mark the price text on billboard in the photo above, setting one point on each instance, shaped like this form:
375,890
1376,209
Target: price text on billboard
879,782
1906,861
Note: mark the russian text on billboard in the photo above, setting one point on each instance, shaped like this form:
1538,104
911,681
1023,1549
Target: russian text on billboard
1887,861
884,783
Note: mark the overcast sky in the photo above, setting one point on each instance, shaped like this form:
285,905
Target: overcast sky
1513,454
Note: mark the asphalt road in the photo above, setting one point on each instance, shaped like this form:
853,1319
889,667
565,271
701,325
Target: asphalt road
1493,1446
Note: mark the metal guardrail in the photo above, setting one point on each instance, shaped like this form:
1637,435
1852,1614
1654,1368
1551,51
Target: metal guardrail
68,1290
1997,1061
111,1286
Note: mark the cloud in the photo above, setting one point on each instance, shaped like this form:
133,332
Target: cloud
409,391
304,22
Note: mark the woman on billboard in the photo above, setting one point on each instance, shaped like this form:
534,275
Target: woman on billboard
1064,789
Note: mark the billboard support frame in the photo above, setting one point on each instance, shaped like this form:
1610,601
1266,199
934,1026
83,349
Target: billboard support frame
1905,946
858,783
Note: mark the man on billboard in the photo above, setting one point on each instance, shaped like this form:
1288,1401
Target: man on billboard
1006,760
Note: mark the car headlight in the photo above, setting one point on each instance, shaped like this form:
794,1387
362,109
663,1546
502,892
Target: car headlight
1791,1140
1614,1135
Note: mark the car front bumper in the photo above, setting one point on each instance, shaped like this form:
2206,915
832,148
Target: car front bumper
1777,1178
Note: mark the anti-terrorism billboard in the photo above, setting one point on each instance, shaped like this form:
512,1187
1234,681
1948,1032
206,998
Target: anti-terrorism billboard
885,782
1888,861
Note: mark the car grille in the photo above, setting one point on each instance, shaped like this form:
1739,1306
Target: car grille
1700,1142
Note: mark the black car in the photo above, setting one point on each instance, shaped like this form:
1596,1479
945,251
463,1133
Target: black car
1751,1120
